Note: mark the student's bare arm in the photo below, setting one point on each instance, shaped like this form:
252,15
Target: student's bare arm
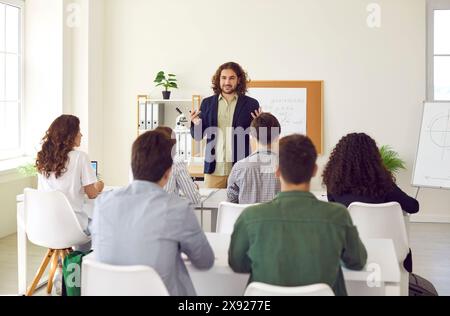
93,190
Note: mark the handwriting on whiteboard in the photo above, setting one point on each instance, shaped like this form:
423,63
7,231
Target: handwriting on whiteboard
287,104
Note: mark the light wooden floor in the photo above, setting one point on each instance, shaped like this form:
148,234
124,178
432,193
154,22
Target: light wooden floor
430,244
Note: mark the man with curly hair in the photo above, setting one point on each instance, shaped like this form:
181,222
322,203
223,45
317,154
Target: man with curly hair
224,119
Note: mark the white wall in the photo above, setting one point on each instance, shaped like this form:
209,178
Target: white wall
95,75
10,186
43,68
374,78
77,24
83,66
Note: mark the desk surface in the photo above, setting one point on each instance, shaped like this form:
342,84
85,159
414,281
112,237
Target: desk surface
219,196
380,252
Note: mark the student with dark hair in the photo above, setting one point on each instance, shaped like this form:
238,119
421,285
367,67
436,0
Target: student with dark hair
144,225
356,173
252,180
296,240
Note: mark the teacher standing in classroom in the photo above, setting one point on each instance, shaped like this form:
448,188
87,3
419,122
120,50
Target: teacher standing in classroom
224,119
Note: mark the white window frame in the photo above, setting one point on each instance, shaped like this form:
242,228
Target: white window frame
19,152
432,5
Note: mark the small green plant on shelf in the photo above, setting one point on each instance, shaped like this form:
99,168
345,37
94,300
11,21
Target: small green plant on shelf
168,82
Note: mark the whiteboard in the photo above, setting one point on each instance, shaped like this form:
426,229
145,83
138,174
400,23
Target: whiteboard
432,168
288,105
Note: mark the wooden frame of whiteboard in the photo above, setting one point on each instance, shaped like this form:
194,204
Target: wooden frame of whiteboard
314,105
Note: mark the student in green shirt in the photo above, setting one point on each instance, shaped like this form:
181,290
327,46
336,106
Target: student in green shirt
296,240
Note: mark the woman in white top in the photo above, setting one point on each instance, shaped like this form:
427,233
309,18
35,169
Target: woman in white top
62,168
180,181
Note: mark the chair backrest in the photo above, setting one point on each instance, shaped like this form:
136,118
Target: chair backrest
227,216
262,289
50,221
384,221
99,279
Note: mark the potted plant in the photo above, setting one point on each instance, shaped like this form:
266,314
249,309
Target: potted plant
168,82
391,160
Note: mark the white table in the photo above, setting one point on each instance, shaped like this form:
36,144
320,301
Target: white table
213,201
220,280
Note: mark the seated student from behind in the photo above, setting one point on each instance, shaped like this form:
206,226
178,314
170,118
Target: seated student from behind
144,225
356,173
180,180
296,240
63,168
253,179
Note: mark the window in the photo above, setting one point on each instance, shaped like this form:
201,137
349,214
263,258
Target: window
439,50
10,78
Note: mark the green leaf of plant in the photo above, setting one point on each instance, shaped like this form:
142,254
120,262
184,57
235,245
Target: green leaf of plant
392,160
28,170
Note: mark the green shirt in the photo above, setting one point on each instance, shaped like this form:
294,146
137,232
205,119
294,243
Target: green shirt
224,159
296,240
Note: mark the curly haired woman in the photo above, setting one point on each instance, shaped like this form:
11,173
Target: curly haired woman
64,169
356,173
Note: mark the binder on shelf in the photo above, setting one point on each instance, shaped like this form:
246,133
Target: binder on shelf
183,148
142,116
188,146
148,116
184,144
178,137
158,115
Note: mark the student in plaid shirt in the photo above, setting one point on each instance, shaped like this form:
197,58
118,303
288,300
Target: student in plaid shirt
253,179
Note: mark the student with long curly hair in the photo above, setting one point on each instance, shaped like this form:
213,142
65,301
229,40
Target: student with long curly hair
223,119
356,173
62,168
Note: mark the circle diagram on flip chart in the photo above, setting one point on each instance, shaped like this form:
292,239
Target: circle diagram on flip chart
440,132
432,167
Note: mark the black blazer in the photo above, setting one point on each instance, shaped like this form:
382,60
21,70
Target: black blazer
209,116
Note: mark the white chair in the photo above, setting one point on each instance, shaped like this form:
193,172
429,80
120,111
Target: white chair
50,222
227,216
99,279
262,289
384,221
